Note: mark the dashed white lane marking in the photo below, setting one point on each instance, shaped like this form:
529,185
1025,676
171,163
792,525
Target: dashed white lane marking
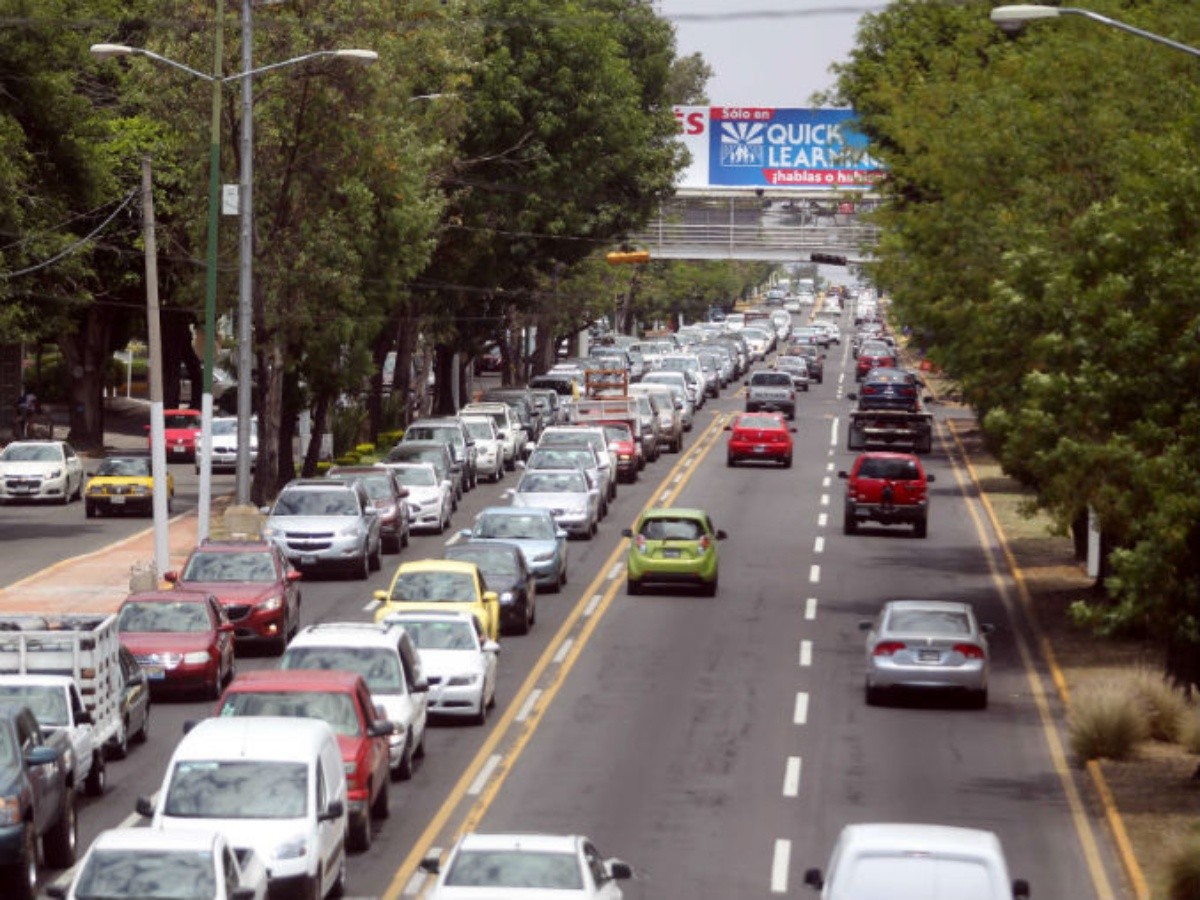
592,604
484,775
833,431
814,574
826,481
828,467
371,606
454,540
791,777
806,653
563,650
819,545
779,866
800,710
822,520
615,571
529,704
678,478
810,608
824,499
662,498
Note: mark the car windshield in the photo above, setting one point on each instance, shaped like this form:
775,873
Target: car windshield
224,427
440,634
335,708
147,875
379,666
791,362
448,587
445,434
377,486
435,455
481,430
552,483
515,869
493,562
47,702
666,529
515,527
162,616
31,453
315,503
618,433
928,621
179,420
889,469
416,476
125,467
237,789
253,565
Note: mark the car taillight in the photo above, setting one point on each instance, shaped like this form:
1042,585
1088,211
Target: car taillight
887,648
870,389
969,651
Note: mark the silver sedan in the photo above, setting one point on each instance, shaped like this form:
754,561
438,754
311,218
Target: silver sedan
927,644
565,492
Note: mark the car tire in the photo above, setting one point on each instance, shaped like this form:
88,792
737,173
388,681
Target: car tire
522,627
730,461
787,462
143,734
89,510
374,560
362,568
850,523
710,589
632,588
23,873
60,843
358,834
392,545
381,806
480,717
872,695
921,527
404,771
97,779
979,699
120,748
316,890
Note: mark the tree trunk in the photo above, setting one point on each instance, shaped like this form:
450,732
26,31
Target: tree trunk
312,453
443,361
270,398
545,344
86,356
290,403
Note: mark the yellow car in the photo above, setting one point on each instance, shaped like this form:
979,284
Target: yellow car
123,483
445,584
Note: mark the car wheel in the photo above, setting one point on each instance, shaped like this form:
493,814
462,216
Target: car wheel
526,619
787,462
381,806
97,778
362,567
392,545
921,527
120,749
374,560
405,534
404,771
316,889
358,835
480,717
872,695
212,690
632,587
592,529
850,523
89,510
24,869
730,461
979,699
143,733
60,842
710,589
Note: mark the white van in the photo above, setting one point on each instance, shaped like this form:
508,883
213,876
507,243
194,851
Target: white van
916,862
270,784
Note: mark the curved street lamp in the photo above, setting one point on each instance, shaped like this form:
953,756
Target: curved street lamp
1018,14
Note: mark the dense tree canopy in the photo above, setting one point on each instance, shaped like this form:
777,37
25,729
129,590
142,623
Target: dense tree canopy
1041,240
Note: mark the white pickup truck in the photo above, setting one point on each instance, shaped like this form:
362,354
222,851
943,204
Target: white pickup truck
772,391
70,664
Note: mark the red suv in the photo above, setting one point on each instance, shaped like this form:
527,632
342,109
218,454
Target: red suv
889,488
343,700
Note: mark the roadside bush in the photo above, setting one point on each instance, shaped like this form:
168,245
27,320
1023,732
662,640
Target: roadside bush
1105,723
346,427
1164,706
389,439
323,466
1183,870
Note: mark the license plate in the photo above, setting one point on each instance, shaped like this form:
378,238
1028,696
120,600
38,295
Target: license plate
22,488
117,501
760,449
671,553
308,560
928,655
154,673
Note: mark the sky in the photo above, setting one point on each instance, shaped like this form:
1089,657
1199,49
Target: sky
766,52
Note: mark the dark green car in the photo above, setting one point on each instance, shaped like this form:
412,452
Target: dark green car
673,546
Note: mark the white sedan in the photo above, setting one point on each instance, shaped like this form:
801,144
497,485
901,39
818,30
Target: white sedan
489,449
151,864
40,470
430,500
525,867
458,659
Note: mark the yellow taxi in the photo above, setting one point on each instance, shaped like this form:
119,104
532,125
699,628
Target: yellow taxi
123,484
441,584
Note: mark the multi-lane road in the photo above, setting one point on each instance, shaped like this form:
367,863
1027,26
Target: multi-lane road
717,745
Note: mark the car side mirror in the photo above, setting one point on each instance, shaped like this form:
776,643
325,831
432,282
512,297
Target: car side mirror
491,647
987,627
464,532
508,493
294,575
865,625
42,756
843,474
1020,888
929,477
730,428
381,596
430,864
381,728
618,870
265,510
420,686
171,577
144,807
721,534
852,396
491,597
335,810
243,893
627,532
225,628
813,878
792,429
404,492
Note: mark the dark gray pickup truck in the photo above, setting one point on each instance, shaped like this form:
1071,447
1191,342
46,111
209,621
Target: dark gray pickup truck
37,802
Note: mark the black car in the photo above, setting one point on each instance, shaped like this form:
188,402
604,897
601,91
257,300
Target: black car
887,388
505,572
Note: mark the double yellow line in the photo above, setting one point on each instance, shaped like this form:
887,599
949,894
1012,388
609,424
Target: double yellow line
588,612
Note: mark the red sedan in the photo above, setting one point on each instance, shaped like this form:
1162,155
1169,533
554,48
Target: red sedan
759,436
181,429
253,581
624,449
183,641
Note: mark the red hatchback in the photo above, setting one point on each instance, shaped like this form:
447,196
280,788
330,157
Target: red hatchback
759,436
183,641
181,429
253,581
623,447
343,700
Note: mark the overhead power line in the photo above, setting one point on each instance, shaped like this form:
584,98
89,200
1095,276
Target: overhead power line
78,244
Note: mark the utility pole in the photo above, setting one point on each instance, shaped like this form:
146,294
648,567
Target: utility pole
158,446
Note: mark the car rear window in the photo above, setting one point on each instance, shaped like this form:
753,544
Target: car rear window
771,379
928,621
316,503
336,709
917,877
671,530
515,869
237,789
759,422
515,527
889,469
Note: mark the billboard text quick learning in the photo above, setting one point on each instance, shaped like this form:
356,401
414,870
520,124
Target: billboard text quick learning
750,146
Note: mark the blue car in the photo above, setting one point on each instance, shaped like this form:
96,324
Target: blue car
533,529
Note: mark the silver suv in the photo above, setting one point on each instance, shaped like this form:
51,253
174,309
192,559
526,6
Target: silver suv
320,523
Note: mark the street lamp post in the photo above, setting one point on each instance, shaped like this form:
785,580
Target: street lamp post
245,208
1020,13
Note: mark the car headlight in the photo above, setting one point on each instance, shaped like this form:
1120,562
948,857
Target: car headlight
271,604
196,658
95,489
461,680
139,489
54,473
293,848
10,810
348,530
270,532
507,597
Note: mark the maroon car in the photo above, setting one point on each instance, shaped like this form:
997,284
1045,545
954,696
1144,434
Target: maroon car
388,496
253,581
183,640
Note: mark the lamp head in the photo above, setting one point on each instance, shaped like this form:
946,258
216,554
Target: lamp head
107,51
1018,14
362,57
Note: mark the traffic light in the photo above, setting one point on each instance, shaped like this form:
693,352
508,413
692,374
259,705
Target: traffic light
829,259
627,257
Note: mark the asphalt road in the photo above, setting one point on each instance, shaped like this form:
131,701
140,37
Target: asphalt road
718,745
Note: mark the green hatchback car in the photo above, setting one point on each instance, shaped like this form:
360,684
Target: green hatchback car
673,546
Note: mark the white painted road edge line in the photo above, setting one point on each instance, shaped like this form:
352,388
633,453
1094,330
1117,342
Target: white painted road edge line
563,650
814,574
791,777
806,653
529,704
779,866
800,711
485,775
810,608
592,604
